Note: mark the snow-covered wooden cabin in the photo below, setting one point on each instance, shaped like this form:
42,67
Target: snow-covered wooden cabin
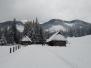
25,40
57,40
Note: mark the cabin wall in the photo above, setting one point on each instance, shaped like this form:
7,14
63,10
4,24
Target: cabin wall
25,42
57,43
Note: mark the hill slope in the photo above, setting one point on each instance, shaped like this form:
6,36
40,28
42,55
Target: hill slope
70,28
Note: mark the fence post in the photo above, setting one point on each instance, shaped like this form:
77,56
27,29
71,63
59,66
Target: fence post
10,50
18,46
13,49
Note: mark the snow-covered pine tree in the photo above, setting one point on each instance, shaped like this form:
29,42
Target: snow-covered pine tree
37,35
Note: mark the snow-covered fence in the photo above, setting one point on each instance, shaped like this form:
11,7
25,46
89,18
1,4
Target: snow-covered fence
10,49
7,51
14,48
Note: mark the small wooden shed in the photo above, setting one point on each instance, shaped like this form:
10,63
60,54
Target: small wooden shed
25,41
57,40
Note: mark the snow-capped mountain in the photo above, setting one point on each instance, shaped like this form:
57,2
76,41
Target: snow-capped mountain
20,27
8,25
24,21
70,28
11,30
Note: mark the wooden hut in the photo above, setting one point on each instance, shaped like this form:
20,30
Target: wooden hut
25,41
57,40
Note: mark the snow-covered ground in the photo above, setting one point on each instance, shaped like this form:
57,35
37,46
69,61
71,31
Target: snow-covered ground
75,55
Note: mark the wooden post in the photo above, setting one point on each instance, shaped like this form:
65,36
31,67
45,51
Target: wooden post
18,46
10,50
13,49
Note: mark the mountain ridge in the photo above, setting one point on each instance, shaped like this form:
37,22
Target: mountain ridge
73,28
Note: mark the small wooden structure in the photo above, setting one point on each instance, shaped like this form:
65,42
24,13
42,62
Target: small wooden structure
25,41
57,40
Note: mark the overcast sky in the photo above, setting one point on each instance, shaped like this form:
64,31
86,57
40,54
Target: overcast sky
45,9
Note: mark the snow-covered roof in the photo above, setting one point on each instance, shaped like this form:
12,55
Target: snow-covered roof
26,38
57,36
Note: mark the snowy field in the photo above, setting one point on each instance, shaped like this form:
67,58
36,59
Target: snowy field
75,55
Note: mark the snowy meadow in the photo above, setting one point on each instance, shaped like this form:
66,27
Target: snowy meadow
75,55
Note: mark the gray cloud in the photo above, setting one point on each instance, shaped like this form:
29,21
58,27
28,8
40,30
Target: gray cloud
6,9
45,9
